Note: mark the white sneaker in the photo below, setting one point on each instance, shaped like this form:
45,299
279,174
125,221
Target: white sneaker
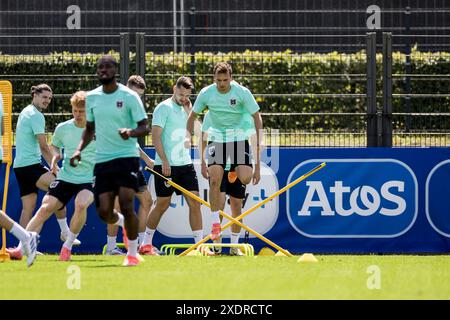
30,248
236,252
63,238
115,252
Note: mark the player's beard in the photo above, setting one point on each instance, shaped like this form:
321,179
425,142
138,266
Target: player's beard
106,81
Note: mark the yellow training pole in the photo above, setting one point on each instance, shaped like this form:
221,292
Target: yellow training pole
5,196
6,90
234,221
240,217
256,206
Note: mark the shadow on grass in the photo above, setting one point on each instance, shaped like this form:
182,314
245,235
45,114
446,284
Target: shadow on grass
105,266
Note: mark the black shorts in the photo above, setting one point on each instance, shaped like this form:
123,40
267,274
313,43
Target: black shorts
235,189
142,182
64,191
236,153
111,175
28,176
184,176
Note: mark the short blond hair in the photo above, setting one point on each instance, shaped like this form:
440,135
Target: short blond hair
136,81
78,99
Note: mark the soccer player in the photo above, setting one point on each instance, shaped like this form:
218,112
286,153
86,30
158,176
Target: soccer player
116,116
30,239
70,181
31,144
137,84
173,160
227,102
230,185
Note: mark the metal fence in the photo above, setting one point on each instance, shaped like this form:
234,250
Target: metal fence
273,25
415,104
345,119
379,104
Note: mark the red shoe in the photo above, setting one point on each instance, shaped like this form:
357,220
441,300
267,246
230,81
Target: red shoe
14,253
125,238
232,176
148,250
215,232
65,254
130,261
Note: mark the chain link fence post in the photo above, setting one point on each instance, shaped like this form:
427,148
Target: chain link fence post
371,90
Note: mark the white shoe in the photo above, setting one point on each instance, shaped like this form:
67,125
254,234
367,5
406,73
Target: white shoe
236,252
30,248
115,252
63,238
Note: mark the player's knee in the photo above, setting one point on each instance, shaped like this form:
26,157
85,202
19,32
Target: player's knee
214,183
126,207
106,214
195,206
146,203
164,207
246,179
44,212
80,205
28,208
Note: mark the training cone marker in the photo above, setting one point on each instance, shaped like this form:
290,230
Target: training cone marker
280,254
266,252
307,257
194,253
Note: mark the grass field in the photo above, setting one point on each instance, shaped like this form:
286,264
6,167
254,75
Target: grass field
171,277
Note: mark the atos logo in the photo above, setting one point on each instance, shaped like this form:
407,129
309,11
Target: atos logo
437,200
364,193
353,198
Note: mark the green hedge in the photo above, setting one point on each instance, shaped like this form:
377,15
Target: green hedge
282,73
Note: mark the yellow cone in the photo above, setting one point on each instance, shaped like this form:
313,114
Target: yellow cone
307,257
194,253
280,254
266,252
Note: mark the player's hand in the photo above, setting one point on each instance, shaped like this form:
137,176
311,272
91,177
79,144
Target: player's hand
150,163
166,169
187,106
257,174
125,133
205,170
187,143
76,157
54,165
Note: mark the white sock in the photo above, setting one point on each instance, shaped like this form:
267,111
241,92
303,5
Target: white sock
132,247
235,237
141,236
111,242
20,247
215,216
70,239
63,225
19,232
148,236
121,219
198,235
